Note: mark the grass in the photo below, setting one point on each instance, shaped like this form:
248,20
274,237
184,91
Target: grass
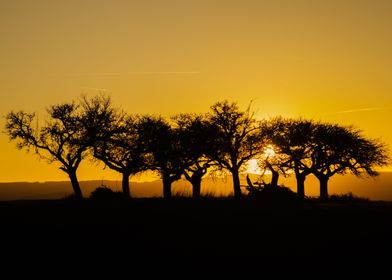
348,197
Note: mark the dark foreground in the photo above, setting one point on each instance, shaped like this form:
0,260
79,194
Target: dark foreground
201,234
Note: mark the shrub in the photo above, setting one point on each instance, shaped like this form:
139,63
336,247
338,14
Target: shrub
348,197
104,193
267,192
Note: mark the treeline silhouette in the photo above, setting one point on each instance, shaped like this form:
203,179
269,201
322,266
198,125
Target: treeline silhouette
191,145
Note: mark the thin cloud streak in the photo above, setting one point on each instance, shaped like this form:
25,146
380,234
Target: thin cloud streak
168,72
136,73
96,89
360,110
357,110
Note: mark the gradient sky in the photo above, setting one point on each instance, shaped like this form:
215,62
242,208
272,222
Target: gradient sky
328,60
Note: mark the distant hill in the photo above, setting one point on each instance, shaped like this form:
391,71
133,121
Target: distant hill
61,189
379,188
54,190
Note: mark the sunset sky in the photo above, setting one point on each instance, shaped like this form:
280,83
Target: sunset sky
327,60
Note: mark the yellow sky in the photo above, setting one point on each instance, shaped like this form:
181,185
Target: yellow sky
329,60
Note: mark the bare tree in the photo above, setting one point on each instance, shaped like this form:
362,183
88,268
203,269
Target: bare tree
338,150
114,138
293,139
237,141
197,139
163,150
271,158
61,139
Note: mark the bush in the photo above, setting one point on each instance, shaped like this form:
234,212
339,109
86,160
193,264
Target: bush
348,197
267,192
104,193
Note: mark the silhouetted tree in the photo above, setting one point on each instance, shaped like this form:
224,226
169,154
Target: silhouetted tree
114,138
163,150
271,158
61,139
293,139
197,138
238,140
339,150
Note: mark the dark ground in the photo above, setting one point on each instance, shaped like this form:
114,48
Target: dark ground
200,234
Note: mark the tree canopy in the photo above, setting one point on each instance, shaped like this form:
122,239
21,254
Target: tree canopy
61,139
197,138
237,141
338,150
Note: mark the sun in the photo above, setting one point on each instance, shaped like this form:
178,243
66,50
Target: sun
269,151
253,167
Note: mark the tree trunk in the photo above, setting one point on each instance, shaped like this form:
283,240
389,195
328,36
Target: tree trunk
195,180
125,185
75,184
274,179
301,186
196,185
167,193
323,187
236,183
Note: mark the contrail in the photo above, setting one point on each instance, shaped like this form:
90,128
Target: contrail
165,72
135,73
96,89
369,109
360,110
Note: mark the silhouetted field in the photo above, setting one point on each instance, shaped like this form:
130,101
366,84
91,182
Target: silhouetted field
303,234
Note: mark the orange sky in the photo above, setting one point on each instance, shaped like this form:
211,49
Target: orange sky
328,60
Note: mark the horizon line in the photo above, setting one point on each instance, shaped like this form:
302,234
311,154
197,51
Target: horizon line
147,181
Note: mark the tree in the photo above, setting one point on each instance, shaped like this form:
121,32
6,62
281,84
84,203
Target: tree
339,150
61,139
197,138
237,141
114,139
271,158
292,137
163,150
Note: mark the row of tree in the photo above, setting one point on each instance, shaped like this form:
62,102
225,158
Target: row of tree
191,145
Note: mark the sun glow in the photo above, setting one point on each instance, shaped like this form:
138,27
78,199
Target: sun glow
269,151
208,52
253,166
